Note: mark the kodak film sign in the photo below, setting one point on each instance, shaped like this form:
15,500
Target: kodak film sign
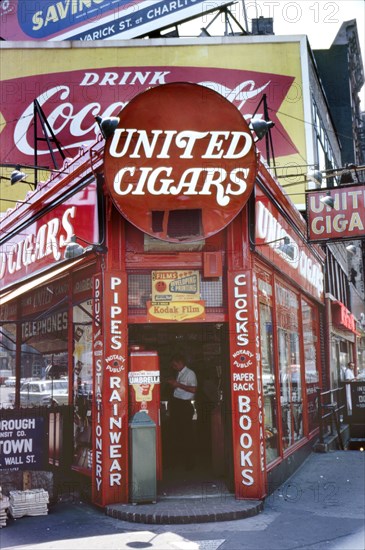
182,162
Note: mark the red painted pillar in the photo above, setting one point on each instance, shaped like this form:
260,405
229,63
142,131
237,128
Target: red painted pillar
245,369
110,406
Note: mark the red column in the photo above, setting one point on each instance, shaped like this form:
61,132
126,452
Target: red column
245,366
246,387
110,407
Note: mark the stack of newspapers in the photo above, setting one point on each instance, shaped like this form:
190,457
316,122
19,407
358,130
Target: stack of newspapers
4,505
28,503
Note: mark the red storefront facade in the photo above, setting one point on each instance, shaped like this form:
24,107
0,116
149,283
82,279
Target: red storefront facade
243,299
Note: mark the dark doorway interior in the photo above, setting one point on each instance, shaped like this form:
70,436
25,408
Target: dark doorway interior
205,347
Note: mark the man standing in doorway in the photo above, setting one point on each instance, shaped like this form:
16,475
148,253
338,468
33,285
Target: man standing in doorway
182,410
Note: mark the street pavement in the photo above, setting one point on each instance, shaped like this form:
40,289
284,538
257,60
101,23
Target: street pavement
320,507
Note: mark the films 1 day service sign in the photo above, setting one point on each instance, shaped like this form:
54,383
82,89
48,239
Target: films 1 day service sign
94,19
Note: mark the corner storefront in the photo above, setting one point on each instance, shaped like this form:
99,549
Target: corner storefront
188,244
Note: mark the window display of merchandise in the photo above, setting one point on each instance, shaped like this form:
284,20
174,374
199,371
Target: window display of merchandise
310,339
268,373
82,384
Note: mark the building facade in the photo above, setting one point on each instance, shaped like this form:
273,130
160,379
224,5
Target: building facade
239,290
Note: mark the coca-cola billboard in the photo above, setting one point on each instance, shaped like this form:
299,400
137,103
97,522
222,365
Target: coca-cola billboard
71,99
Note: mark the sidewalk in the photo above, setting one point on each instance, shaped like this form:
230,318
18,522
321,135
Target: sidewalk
327,479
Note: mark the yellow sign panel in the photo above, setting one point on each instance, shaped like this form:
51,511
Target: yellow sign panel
175,285
176,311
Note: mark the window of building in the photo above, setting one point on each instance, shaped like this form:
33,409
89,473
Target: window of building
290,368
268,372
311,367
82,384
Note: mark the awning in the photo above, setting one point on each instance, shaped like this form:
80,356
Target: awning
9,295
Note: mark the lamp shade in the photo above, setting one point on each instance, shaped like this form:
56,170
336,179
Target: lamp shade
73,249
314,179
107,125
328,200
16,176
261,127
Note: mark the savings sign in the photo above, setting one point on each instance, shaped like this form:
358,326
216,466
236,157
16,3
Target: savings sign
93,19
181,163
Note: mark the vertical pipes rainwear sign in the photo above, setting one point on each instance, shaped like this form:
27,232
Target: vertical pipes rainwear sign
246,387
110,437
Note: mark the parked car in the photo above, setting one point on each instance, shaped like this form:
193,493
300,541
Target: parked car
5,374
10,382
35,393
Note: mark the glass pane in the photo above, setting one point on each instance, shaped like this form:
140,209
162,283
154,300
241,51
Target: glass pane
82,384
44,353
268,379
289,366
310,362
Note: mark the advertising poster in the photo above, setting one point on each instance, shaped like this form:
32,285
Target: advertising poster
175,296
175,286
74,82
22,443
94,19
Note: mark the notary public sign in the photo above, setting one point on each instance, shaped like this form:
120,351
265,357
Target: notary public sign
94,19
182,162
346,220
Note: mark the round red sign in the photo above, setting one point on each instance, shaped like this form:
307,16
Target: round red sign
181,163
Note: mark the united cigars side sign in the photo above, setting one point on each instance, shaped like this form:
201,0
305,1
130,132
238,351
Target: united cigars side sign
346,220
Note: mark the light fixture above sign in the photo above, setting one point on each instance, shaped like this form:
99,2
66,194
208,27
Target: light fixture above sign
182,162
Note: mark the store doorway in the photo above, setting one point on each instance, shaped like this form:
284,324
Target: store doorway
205,347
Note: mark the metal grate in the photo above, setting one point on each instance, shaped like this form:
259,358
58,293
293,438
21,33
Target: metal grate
140,289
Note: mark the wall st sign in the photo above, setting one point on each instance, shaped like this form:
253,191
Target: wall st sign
180,147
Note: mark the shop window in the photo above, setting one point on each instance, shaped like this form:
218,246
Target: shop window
310,339
290,367
82,384
268,382
184,223
44,358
